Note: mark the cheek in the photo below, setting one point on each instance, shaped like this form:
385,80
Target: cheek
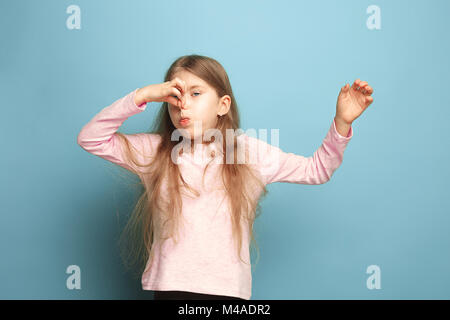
206,112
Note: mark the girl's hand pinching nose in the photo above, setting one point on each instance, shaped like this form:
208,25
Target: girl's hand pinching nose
353,101
170,91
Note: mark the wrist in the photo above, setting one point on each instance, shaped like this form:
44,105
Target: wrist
342,127
341,121
138,98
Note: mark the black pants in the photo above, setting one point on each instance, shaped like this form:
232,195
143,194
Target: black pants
185,295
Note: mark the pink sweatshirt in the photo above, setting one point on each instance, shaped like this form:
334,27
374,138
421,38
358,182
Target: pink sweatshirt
205,259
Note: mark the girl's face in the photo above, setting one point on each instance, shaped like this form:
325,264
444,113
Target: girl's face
202,106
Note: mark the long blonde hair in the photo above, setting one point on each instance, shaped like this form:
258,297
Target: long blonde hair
239,180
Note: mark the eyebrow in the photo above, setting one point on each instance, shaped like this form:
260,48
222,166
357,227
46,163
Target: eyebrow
195,86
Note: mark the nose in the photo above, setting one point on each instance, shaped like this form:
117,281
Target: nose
184,102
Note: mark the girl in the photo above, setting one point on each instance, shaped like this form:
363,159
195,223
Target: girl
192,225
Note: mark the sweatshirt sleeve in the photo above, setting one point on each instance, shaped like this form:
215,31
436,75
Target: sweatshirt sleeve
99,135
275,165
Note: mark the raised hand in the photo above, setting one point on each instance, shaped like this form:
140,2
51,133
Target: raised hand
353,101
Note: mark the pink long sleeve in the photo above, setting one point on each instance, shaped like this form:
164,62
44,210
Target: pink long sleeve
205,260
276,165
99,136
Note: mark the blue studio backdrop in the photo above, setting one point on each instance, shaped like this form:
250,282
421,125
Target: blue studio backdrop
384,214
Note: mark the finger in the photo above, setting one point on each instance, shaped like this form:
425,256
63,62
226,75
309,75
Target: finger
183,91
358,85
369,100
176,94
184,87
362,86
181,86
172,97
178,83
344,88
368,89
173,100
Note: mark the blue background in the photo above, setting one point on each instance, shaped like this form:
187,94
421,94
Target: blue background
387,204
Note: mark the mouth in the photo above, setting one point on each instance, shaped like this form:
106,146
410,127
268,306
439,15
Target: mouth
184,121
